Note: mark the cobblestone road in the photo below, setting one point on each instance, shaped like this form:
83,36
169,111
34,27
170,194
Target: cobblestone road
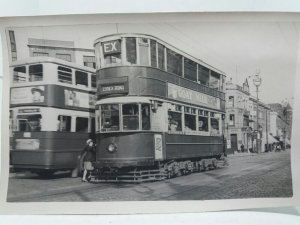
247,176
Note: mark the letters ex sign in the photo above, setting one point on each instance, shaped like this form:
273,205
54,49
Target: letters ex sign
111,47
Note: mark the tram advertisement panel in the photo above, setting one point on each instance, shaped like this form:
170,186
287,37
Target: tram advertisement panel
79,99
194,97
35,94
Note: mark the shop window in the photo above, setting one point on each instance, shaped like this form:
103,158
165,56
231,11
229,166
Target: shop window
145,116
82,124
190,70
64,75
174,121
81,78
64,123
36,72
130,116
20,74
174,62
110,117
202,123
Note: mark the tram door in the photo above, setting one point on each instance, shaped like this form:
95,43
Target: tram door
233,138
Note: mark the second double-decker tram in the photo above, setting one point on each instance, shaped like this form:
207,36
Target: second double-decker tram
52,113
157,107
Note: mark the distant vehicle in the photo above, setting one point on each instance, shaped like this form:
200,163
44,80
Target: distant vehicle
158,109
51,114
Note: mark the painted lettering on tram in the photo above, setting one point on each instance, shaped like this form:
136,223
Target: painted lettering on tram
111,47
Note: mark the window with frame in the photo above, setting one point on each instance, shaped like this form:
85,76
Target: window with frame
190,69
131,56
64,123
36,72
214,81
174,121
64,74
130,115
89,61
231,120
13,45
110,117
231,101
144,51
36,54
203,123
93,80
29,123
145,116
189,122
112,52
82,124
153,53
203,75
161,56
214,124
66,57
174,62
81,78
19,74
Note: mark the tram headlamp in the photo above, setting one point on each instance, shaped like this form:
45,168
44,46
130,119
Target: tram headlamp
112,147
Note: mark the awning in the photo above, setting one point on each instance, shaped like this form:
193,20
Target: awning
271,139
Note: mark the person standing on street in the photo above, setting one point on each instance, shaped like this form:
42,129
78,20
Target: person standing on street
89,155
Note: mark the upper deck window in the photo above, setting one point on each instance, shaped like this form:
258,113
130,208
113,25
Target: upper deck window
161,56
20,74
190,69
144,51
153,53
64,75
214,81
81,78
112,52
174,62
203,75
36,72
131,50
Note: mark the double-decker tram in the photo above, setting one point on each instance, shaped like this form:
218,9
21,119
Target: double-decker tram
52,113
159,112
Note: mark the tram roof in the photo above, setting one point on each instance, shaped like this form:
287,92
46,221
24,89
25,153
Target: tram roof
45,59
187,55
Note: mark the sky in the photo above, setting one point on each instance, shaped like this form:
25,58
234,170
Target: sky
237,48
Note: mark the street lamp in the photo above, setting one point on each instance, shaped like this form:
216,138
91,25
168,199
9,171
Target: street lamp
257,82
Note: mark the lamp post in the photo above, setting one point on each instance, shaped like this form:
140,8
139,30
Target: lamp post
257,82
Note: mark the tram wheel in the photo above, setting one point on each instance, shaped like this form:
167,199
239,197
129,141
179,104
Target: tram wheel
45,174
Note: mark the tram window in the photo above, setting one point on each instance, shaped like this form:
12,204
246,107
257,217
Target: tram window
20,74
203,75
36,72
161,56
110,117
64,123
130,116
203,123
145,116
82,124
64,75
144,51
29,123
174,121
190,69
93,79
131,50
189,122
214,124
153,53
214,81
92,125
81,78
174,62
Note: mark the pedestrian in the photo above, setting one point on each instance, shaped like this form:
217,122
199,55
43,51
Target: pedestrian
89,155
242,148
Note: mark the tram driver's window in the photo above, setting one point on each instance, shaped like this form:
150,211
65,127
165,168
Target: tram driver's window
64,123
81,78
29,123
130,116
82,124
36,72
145,116
174,121
203,123
110,117
214,124
20,74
